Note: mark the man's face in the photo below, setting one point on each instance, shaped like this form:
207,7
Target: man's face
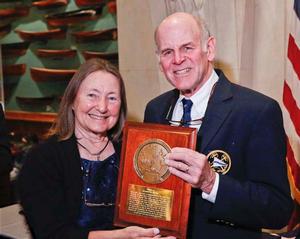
181,58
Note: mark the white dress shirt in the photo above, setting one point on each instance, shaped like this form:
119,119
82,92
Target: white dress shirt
200,100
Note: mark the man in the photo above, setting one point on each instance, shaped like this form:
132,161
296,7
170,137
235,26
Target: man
5,163
238,172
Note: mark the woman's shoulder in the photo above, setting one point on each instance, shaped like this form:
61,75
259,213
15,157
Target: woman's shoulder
52,145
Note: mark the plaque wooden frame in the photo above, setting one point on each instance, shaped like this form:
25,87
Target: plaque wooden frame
135,134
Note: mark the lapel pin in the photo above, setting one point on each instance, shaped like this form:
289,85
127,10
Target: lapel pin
219,161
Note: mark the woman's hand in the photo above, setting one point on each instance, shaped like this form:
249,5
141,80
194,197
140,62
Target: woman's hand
135,232
132,232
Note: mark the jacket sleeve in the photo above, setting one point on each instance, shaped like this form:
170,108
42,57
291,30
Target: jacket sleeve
6,161
42,186
263,200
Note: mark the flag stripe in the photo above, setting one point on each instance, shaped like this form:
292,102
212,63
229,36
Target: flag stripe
295,169
295,192
294,54
293,81
297,8
294,223
291,109
294,139
291,106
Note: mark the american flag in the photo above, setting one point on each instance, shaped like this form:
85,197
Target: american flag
291,110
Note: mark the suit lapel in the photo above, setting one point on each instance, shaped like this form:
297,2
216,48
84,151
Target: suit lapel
169,106
218,109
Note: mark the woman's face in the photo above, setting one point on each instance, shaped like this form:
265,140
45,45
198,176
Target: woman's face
97,103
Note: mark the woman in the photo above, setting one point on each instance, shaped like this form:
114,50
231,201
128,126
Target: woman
68,184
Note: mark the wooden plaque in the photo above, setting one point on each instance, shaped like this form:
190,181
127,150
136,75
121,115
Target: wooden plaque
148,195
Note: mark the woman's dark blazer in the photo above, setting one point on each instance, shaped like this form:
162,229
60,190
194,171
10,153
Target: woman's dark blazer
50,189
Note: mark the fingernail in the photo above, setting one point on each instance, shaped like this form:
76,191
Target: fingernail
156,231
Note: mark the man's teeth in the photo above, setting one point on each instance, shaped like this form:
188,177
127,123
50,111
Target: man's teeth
183,71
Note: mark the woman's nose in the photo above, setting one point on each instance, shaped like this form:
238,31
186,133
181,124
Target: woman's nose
102,104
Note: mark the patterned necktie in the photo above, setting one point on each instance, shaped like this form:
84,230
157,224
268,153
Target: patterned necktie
186,117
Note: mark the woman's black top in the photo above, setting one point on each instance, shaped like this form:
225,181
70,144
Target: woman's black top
98,193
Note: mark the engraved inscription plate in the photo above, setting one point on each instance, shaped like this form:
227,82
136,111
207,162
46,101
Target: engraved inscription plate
150,202
149,161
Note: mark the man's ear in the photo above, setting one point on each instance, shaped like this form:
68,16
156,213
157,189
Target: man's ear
158,59
160,67
211,48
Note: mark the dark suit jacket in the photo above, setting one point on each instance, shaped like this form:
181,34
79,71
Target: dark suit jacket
50,186
5,154
255,193
6,162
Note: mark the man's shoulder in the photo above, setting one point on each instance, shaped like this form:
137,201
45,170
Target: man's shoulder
158,107
253,102
244,98
251,96
164,97
244,94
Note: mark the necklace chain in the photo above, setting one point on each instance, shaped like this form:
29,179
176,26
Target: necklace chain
94,154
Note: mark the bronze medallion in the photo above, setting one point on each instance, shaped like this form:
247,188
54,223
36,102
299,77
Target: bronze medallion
149,161
219,161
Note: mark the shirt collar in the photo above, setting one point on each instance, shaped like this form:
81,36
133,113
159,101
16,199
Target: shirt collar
204,92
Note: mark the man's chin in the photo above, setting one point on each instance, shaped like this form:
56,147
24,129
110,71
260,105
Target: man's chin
185,91
188,92
182,86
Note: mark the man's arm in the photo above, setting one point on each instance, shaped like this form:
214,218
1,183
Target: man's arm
263,198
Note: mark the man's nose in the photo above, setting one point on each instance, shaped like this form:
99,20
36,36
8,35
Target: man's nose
179,57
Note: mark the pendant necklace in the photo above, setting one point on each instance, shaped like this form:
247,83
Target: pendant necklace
95,154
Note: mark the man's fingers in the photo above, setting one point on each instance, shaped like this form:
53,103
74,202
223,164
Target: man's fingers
178,165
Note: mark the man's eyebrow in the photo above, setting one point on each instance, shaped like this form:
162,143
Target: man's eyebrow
187,44
183,45
166,49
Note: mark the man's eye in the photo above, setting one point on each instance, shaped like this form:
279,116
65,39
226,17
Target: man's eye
188,48
166,53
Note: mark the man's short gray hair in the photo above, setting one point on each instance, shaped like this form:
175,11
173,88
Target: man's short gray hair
203,28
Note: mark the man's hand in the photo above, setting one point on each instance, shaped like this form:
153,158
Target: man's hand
192,167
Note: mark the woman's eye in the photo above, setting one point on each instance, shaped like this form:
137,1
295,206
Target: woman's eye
112,98
91,95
